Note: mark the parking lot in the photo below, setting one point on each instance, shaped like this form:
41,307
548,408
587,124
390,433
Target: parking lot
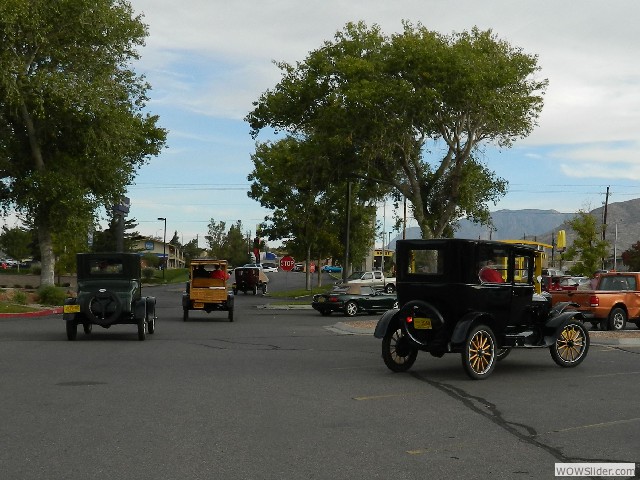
287,393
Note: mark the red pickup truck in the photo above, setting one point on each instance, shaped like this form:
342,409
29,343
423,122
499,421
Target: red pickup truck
615,300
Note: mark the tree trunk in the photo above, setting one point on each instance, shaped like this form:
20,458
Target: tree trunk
46,252
308,269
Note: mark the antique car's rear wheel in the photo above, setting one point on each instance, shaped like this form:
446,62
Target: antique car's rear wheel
231,314
87,327
142,328
350,309
264,288
571,346
255,290
185,314
397,351
617,319
103,307
479,354
72,330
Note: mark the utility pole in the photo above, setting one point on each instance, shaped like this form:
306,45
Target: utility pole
604,215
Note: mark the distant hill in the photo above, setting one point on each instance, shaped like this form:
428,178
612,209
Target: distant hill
541,225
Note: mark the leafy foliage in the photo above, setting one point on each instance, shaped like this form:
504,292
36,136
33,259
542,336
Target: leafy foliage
587,250
229,245
404,114
631,257
73,131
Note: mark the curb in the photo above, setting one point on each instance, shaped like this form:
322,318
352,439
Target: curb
38,313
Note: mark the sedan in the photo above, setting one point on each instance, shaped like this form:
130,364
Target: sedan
354,299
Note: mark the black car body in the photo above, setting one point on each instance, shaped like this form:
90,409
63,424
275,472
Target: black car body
353,299
109,293
446,308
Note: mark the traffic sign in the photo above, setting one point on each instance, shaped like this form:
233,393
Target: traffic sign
287,263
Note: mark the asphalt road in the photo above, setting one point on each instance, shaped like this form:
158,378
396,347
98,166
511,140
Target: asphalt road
281,395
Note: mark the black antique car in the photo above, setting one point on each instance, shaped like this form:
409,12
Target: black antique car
249,279
351,299
109,293
479,299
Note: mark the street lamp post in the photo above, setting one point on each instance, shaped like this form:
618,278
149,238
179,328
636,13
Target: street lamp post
164,247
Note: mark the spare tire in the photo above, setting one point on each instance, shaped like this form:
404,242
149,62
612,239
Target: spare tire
103,307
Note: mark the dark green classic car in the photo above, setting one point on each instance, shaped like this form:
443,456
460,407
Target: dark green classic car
353,299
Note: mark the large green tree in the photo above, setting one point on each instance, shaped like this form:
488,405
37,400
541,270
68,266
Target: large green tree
411,112
73,127
231,245
307,211
631,257
588,249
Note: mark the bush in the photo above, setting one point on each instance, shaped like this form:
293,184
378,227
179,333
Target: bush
19,297
147,273
50,295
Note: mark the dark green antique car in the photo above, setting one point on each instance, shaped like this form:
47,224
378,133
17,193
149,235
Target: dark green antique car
109,293
353,299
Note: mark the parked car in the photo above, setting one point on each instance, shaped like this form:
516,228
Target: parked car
269,267
445,308
332,269
109,293
353,299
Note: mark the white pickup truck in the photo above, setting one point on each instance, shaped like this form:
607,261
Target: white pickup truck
375,278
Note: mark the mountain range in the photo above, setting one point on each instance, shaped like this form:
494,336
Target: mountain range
623,225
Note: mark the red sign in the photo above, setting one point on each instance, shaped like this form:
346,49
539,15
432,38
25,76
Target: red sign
287,263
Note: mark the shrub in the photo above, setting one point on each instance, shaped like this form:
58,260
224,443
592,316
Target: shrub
19,297
50,295
147,273
36,270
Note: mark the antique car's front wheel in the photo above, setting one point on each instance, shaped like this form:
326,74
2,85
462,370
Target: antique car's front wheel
617,319
72,330
142,328
479,353
571,346
397,351
502,353
350,309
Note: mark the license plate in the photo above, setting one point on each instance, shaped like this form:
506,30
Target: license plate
198,305
421,323
71,308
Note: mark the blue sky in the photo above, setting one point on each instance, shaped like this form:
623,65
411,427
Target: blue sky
208,60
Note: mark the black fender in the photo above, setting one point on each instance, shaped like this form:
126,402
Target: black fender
384,322
466,323
555,324
560,307
140,309
69,317
151,306
413,308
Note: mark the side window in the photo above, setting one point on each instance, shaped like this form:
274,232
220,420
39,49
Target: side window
429,262
367,276
523,269
378,275
631,281
493,263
